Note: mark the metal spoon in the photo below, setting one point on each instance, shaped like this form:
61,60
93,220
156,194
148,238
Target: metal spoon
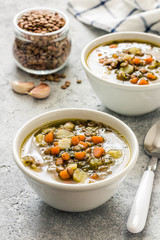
139,210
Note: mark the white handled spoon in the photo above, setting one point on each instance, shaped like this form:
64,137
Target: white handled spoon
139,210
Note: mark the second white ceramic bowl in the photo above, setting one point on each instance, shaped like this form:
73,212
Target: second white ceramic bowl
130,100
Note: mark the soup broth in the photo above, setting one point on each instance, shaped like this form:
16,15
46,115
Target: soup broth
75,151
129,62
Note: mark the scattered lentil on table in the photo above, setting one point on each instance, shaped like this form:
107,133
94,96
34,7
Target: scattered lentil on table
79,81
54,77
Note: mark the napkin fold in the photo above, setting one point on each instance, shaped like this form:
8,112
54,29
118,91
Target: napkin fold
118,15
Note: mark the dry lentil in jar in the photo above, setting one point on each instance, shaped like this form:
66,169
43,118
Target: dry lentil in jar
75,151
128,62
42,41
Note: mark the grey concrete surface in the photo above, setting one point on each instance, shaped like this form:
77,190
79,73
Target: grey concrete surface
23,216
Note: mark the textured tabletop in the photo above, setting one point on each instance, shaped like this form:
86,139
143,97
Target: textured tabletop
23,216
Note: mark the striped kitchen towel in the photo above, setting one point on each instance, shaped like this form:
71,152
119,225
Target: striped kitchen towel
118,15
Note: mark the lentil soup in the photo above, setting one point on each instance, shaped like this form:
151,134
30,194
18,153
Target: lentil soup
75,151
127,62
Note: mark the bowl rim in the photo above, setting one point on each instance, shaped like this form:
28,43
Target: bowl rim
76,187
117,84
64,28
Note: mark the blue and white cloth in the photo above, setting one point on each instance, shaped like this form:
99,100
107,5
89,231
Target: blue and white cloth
118,15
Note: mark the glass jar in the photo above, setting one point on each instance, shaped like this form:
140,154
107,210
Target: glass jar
41,53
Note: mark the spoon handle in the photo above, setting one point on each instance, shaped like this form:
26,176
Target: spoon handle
139,210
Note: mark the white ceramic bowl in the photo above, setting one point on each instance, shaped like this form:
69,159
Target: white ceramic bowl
75,197
131,100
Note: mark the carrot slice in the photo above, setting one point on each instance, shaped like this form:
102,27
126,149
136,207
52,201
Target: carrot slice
59,161
143,82
136,61
84,144
115,55
81,137
64,174
151,76
97,139
49,137
98,152
75,140
66,156
55,143
55,150
94,176
148,60
134,80
113,46
80,155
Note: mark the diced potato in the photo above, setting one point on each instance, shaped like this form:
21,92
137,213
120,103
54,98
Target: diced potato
128,69
40,138
127,57
69,125
63,133
115,153
123,72
79,176
134,50
64,143
73,166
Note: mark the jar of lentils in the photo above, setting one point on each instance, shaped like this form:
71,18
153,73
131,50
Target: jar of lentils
42,43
